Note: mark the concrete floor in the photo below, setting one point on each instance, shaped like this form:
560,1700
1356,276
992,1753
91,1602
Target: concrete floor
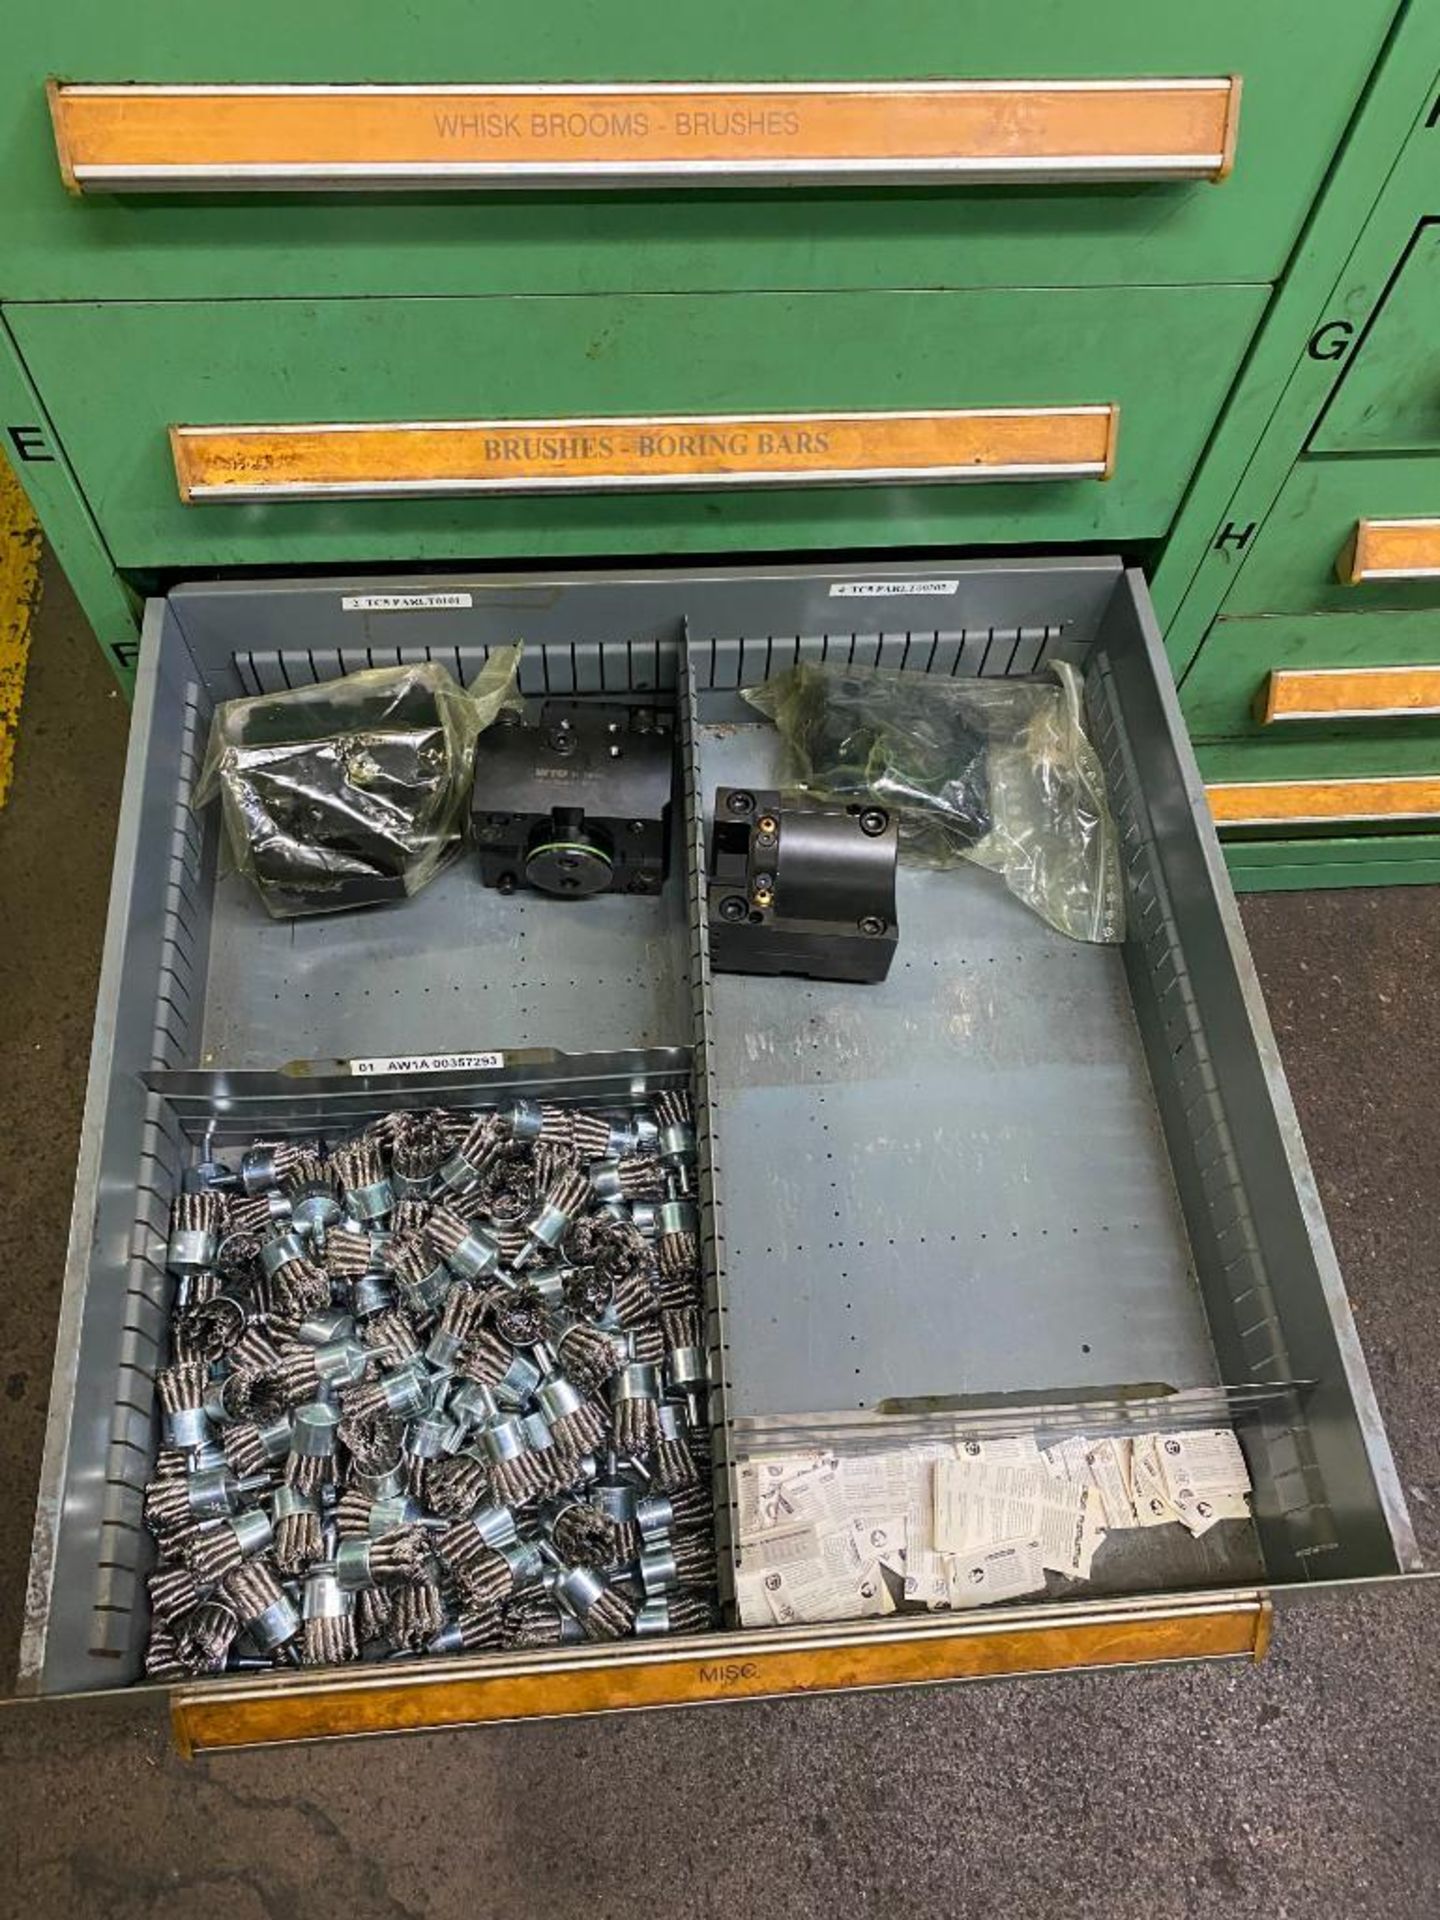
1304,1787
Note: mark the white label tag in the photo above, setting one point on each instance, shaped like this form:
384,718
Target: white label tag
841,1553
402,602
880,1540
927,1578
1110,1463
750,1599
873,1483
1202,1464
427,1063
777,1492
920,1498
1005,1571
1201,1512
785,1549
976,1506
888,589
809,1591
1070,1534
1153,1506
800,1499
1007,1450
1066,1459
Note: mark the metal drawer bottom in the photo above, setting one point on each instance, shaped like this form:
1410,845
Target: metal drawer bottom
1123,1109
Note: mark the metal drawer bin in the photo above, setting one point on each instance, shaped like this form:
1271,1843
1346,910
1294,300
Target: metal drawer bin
1072,1189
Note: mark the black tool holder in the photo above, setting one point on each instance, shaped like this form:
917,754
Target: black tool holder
578,802
800,887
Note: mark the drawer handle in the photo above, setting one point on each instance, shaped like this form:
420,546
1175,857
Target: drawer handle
363,461
1347,693
1298,803
129,138
270,1709
1390,550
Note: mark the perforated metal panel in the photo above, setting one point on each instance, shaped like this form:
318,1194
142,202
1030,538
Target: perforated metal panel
954,1183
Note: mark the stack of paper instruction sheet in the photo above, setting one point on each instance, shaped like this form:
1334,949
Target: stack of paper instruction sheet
847,1535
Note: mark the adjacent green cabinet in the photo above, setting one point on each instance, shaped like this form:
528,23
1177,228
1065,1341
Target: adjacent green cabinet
1301,583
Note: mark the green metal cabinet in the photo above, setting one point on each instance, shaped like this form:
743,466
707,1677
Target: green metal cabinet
126,314
1335,425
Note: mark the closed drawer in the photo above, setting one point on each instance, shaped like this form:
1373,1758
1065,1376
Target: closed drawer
551,377
1305,553
1377,783
1279,675
241,246
1389,398
1321,729
1223,1283
1338,860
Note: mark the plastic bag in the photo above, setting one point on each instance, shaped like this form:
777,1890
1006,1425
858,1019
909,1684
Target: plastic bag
352,791
996,771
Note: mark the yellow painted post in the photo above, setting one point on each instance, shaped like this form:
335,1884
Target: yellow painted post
19,594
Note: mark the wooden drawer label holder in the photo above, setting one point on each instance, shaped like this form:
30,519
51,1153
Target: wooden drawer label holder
367,460
136,137
1379,799
1390,550
1348,693
270,1709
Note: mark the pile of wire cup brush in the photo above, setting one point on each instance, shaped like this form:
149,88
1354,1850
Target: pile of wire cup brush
436,1388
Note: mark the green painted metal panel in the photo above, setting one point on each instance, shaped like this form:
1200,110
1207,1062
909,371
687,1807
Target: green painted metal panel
1382,185
119,375
1304,64
33,447
1292,567
1219,691
1385,747
1389,399
1383,849
1293,865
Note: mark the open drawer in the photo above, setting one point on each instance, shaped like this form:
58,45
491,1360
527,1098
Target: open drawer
1068,1177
